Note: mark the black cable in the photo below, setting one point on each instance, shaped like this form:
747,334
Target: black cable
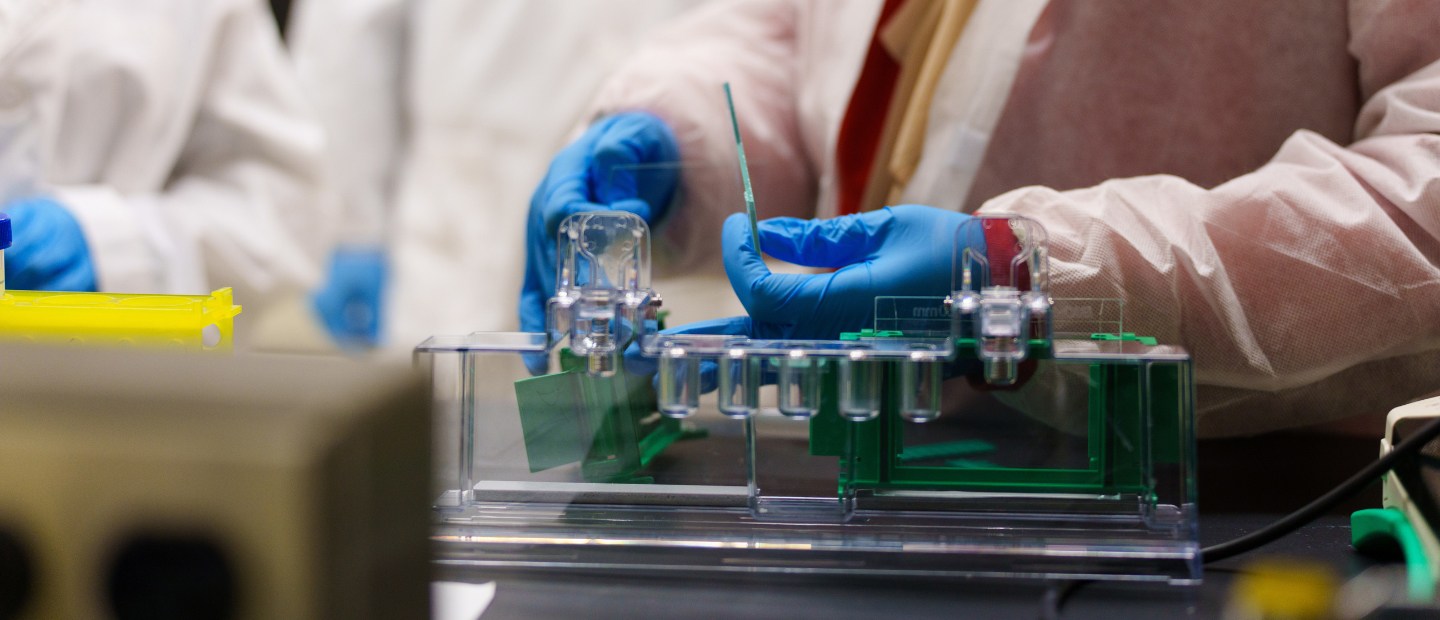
1356,483
1056,595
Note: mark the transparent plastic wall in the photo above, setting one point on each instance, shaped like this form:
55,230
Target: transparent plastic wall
992,432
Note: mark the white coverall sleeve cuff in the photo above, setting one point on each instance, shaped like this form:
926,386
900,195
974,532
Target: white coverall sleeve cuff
122,257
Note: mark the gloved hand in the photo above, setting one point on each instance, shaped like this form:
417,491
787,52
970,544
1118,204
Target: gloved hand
904,250
349,300
49,252
595,173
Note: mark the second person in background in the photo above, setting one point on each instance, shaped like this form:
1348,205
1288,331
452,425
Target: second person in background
157,147
441,117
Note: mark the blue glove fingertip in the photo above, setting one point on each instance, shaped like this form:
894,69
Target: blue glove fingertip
742,262
634,205
537,363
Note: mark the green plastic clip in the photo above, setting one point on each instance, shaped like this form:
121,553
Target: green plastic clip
952,448
870,333
609,424
1147,340
1372,527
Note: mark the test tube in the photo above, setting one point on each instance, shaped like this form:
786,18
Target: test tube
799,396
859,387
679,384
920,389
602,362
739,384
593,335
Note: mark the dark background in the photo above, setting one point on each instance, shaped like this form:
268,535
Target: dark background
281,8
1277,473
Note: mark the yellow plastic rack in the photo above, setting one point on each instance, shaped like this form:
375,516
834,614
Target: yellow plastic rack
175,322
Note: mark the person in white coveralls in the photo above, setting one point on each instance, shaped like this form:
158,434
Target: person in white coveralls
1258,180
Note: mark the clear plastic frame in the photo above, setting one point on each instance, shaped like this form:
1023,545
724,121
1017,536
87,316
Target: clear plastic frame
1084,467
602,291
1001,297
890,451
992,431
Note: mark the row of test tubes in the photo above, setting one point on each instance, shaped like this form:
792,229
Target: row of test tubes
798,384
603,300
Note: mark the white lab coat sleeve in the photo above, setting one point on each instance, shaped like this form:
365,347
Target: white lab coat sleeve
678,75
1306,291
245,204
350,56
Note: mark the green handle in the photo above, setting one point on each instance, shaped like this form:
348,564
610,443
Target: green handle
1367,525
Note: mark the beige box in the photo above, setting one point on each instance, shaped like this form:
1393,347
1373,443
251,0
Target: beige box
274,486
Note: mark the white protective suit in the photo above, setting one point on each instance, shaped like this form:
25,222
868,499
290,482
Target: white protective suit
175,132
1274,202
443,116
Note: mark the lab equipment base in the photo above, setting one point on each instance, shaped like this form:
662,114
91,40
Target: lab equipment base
573,536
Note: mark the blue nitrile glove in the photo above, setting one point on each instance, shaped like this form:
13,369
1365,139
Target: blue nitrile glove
349,301
905,250
48,252
597,172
